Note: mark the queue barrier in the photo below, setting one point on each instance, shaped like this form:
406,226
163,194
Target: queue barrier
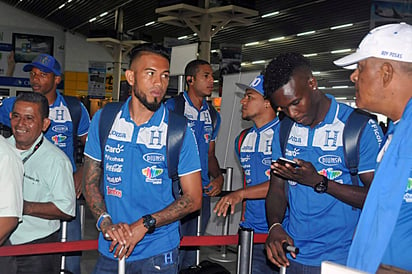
243,240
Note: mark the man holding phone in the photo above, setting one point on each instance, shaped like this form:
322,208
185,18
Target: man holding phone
317,209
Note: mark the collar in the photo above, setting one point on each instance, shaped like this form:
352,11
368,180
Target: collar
155,120
187,98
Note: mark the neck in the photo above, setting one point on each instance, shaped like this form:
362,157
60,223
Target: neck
51,97
139,113
323,106
197,101
264,119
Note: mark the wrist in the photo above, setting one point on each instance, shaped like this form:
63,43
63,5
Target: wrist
273,226
100,220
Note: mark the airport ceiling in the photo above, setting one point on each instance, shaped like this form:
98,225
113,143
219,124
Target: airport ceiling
294,17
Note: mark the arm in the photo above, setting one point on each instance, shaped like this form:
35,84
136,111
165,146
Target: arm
78,175
275,210
46,210
233,198
214,171
7,224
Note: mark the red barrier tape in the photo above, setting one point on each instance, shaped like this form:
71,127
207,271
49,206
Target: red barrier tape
87,245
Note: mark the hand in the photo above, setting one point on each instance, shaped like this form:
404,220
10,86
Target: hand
215,186
119,235
306,174
231,200
274,249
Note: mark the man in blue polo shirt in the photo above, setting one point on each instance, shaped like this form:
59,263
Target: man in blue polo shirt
136,213
383,82
45,74
254,151
199,79
320,209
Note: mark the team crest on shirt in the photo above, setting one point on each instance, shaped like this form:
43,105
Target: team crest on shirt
59,139
151,174
330,173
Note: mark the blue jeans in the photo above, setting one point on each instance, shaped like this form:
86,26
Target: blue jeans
74,234
165,263
188,227
297,268
260,263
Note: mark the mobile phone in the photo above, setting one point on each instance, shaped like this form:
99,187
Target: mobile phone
283,161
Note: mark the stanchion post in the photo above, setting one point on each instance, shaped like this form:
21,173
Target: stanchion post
63,240
223,256
122,266
245,251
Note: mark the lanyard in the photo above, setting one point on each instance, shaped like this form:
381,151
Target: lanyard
34,150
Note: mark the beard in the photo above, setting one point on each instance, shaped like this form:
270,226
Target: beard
155,105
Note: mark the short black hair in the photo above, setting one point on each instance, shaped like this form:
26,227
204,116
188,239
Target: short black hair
34,97
193,67
138,50
280,70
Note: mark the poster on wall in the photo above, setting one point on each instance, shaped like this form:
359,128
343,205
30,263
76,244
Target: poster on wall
390,11
27,46
97,79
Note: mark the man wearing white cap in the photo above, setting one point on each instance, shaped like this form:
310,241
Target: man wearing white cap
383,83
254,149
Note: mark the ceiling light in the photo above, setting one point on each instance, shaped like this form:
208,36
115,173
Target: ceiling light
103,14
244,64
251,44
277,39
213,50
306,33
340,87
340,51
341,98
62,6
68,1
215,81
182,37
310,55
315,72
270,14
258,62
93,19
341,26
321,87
150,23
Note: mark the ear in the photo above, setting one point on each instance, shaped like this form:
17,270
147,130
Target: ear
57,80
129,74
46,124
189,80
387,72
313,84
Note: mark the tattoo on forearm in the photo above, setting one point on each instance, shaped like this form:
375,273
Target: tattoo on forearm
177,210
91,178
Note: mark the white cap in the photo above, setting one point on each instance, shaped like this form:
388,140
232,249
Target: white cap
392,41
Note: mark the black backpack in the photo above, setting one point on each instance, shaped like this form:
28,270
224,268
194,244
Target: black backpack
174,140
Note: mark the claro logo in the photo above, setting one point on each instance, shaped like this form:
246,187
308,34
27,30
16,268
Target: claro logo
330,160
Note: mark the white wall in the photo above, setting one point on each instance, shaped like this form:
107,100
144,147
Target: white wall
71,50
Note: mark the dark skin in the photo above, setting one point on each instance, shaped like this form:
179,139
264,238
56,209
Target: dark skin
301,100
148,76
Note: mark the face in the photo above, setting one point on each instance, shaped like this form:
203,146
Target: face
43,82
27,124
296,99
253,104
149,77
368,78
202,82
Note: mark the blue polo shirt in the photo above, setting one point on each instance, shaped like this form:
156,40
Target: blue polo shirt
321,225
255,158
136,180
200,122
60,132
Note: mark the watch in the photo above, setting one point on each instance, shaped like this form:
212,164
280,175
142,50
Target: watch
322,186
149,222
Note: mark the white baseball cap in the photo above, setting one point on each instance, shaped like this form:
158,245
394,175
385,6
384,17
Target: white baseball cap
256,85
392,41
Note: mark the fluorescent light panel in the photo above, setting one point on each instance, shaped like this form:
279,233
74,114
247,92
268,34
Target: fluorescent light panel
270,14
341,26
258,62
306,33
340,51
150,23
277,39
252,44
310,55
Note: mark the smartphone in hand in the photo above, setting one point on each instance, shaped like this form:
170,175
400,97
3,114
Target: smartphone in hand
283,161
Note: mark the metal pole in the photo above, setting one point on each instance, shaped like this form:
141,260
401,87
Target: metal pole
223,256
180,84
245,251
63,240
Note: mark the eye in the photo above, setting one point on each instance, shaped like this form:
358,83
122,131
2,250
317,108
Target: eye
150,73
166,76
296,102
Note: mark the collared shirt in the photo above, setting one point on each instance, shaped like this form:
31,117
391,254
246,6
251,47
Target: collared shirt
48,177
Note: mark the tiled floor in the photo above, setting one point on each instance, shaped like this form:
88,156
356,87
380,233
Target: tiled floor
214,254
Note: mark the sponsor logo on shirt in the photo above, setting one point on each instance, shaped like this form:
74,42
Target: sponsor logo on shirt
151,173
294,140
114,180
117,150
247,172
408,196
376,131
59,139
267,173
113,158
60,128
154,158
330,173
207,137
245,159
112,191
267,161
295,152
114,168
118,134
330,160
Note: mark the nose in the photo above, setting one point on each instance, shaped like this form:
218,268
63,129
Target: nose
354,76
243,100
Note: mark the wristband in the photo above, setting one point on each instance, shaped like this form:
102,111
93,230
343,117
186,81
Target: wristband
274,225
101,218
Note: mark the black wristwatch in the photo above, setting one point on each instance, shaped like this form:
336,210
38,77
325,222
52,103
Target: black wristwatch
149,222
322,186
